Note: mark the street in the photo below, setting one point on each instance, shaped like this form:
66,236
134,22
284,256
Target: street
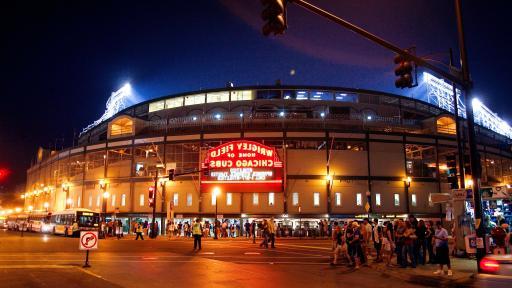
43,260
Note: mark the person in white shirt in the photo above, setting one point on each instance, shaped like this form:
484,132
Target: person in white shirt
442,254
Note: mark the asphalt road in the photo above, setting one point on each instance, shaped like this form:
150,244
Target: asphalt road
47,261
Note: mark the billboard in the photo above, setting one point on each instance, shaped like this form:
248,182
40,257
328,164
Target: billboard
242,166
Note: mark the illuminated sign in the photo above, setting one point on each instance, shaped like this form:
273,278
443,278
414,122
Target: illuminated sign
242,166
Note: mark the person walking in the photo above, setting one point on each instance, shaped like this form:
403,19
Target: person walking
253,231
399,240
119,229
197,232
355,242
264,227
388,241
377,239
272,232
139,231
442,251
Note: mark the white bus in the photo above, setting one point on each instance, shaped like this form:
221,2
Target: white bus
17,222
62,221
39,222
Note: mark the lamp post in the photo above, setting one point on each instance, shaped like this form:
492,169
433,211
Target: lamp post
46,205
103,187
407,183
300,223
216,192
65,189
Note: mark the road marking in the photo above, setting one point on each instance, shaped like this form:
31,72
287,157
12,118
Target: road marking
284,262
302,246
89,272
149,258
252,253
207,253
31,266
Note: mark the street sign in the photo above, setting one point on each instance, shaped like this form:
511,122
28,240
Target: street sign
88,240
367,207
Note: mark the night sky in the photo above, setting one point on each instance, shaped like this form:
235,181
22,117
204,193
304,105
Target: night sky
61,60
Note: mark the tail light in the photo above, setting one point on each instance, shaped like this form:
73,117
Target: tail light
489,265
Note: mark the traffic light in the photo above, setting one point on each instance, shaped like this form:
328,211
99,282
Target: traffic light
151,196
171,174
404,72
274,14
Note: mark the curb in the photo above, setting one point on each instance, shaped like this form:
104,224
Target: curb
427,280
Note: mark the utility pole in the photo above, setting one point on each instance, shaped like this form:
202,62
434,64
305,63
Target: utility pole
473,152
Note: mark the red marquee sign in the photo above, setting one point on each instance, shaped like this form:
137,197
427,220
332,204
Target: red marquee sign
242,166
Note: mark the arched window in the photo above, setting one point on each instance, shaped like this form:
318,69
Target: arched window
446,125
121,126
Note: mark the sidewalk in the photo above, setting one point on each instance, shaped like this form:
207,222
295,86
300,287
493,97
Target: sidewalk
464,270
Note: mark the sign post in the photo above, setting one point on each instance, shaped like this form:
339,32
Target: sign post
88,241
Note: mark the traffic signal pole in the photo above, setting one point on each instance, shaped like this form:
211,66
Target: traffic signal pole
474,155
465,82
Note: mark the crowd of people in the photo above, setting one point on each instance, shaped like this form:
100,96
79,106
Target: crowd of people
410,242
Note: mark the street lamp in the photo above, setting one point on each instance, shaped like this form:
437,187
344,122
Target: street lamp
407,183
300,223
216,192
69,201
46,205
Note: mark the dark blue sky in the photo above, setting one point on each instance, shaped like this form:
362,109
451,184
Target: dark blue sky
61,59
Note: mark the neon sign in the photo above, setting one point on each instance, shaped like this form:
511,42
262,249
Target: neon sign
242,166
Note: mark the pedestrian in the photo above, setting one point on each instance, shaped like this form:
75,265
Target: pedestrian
421,243
442,252
119,229
430,232
355,242
272,232
377,239
264,242
366,243
253,231
197,232
139,231
340,248
388,242
408,246
499,234
145,227
399,240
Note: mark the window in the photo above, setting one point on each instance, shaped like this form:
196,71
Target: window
242,95
413,200
189,199
123,200
316,199
141,200
78,202
214,199
121,126
397,199
359,199
420,160
175,199
113,200
229,199
295,198
377,199
194,99
217,97
255,199
271,199
98,201
337,199
90,201
174,102
156,106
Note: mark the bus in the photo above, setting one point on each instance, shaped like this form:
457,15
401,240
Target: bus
62,221
17,222
39,222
